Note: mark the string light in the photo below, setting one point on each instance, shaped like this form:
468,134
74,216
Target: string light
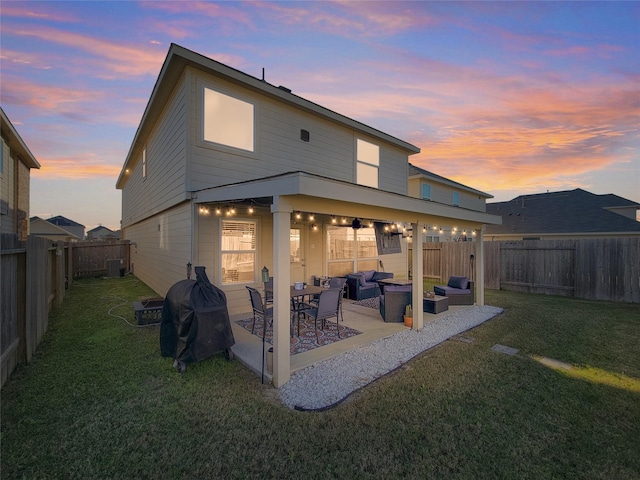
333,220
218,211
312,217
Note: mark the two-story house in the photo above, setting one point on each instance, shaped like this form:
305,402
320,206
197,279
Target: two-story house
233,173
16,162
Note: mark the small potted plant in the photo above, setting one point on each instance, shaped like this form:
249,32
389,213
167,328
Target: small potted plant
408,316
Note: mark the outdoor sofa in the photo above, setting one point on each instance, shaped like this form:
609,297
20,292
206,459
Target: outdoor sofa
458,289
364,284
394,301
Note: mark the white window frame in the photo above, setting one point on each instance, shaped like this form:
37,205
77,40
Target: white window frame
422,188
253,251
455,199
367,163
144,163
220,143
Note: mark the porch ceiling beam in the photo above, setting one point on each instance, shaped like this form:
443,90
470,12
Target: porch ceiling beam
338,194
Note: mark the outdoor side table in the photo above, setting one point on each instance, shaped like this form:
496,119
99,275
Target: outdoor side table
436,304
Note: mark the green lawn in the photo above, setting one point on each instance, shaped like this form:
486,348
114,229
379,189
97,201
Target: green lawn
98,401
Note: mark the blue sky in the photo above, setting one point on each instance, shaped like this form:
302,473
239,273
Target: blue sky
507,97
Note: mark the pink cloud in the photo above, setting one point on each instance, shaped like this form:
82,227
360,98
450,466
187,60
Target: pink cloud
51,98
23,10
75,167
109,58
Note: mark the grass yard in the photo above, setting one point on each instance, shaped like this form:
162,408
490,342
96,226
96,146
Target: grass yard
98,401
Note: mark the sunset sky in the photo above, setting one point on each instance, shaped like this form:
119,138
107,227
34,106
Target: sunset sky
509,98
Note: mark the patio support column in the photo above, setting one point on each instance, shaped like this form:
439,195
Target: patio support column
418,281
281,282
480,266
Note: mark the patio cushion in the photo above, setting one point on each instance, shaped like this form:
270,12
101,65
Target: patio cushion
357,277
381,275
458,282
368,275
397,288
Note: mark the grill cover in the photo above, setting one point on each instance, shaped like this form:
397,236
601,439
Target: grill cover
195,320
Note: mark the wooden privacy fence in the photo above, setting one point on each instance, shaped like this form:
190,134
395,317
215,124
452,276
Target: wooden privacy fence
33,281
594,269
33,278
94,258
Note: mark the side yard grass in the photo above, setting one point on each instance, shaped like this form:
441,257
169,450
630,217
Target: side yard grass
98,401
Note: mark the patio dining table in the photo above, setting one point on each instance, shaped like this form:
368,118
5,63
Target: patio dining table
298,296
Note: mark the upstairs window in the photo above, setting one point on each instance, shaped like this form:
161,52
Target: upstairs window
367,163
144,163
455,200
228,121
426,191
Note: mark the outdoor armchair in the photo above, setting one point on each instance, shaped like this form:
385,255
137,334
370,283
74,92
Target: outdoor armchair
394,301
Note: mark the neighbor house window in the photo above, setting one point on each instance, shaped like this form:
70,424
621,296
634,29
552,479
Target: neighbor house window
144,163
455,201
367,163
228,121
426,191
238,251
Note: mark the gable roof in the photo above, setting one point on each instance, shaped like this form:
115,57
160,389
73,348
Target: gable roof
420,172
178,58
41,227
100,227
61,221
566,212
15,142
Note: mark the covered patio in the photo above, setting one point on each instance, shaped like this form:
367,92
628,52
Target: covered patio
281,199
367,320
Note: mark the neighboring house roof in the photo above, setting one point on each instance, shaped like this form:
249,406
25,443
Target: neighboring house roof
417,171
179,57
566,212
100,228
16,143
44,228
63,222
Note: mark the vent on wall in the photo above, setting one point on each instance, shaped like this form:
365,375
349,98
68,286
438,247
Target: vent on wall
304,135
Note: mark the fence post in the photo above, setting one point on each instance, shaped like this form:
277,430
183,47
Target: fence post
69,263
59,273
479,263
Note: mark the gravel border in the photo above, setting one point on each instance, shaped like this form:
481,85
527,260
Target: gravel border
327,383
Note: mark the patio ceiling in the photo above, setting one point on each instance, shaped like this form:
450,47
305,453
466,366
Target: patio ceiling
321,195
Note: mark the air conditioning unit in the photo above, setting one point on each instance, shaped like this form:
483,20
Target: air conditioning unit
113,267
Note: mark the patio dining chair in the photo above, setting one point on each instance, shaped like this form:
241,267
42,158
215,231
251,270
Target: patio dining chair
339,282
328,307
259,309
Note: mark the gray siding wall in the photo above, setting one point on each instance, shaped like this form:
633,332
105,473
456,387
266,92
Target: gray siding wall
444,194
162,247
166,165
278,147
7,191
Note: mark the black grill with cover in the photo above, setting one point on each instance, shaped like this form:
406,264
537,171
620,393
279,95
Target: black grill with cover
195,322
